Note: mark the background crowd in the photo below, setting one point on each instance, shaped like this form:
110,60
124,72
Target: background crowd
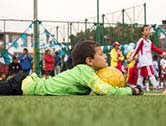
138,65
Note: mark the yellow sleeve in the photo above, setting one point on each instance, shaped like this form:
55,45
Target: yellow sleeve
122,57
113,55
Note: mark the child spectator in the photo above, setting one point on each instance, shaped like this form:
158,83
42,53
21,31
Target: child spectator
144,50
116,56
132,74
163,72
156,69
48,63
14,67
57,63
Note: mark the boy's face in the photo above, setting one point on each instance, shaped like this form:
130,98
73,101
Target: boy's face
49,52
146,31
25,52
99,61
15,60
116,47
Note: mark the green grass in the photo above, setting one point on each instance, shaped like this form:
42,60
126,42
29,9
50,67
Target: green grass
82,111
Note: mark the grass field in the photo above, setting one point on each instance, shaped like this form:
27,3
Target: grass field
82,111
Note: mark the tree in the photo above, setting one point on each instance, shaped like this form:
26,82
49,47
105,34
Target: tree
124,33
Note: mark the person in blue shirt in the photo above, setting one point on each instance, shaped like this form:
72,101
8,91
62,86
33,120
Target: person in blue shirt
25,61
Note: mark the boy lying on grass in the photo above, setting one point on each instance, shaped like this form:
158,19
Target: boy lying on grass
87,57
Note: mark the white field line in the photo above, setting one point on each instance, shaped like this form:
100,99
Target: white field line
156,94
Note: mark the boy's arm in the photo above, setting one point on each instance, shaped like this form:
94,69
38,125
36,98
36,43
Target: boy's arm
137,49
100,87
157,50
90,79
21,57
113,55
121,58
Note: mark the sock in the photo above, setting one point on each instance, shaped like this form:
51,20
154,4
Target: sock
140,81
161,84
147,86
153,81
157,82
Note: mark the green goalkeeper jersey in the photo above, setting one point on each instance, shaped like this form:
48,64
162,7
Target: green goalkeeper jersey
79,80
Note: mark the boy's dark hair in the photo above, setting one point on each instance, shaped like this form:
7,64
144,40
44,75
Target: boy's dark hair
56,52
83,50
25,49
14,58
47,50
142,29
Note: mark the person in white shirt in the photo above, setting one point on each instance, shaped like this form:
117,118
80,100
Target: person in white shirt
156,68
144,50
163,71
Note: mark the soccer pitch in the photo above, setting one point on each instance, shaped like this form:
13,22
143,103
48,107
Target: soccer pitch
146,110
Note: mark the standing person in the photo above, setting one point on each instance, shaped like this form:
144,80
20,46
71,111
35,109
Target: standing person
144,50
163,72
156,69
14,67
132,72
69,63
57,63
48,63
25,60
88,58
116,56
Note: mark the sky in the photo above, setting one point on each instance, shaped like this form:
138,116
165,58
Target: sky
76,10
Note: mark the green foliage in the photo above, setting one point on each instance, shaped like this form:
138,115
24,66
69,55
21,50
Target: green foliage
155,38
82,110
123,33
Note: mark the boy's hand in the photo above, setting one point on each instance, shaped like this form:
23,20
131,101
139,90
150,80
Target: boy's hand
129,60
164,53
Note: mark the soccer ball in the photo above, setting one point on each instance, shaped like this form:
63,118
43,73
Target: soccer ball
112,76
